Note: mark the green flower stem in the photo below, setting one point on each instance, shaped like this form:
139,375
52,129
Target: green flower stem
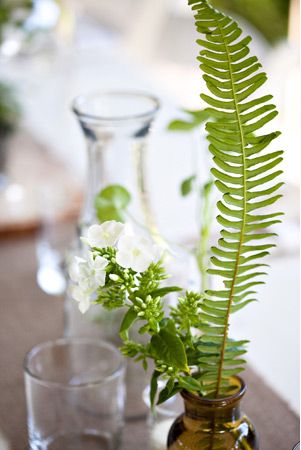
148,216
203,251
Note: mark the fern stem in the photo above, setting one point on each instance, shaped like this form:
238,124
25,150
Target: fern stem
212,437
242,142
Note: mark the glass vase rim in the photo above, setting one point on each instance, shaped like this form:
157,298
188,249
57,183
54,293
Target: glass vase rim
148,113
217,402
67,341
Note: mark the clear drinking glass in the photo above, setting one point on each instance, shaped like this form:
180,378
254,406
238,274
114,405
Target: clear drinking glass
75,395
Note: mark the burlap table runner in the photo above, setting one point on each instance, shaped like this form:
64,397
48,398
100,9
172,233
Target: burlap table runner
28,317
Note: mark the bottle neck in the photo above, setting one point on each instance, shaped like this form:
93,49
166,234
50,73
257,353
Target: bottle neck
119,158
116,141
213,412
95,180
196,412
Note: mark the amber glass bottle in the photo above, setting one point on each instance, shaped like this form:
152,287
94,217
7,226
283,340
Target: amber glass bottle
213,424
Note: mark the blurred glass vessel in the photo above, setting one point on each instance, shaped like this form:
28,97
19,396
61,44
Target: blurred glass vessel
116,127
75,395
58,215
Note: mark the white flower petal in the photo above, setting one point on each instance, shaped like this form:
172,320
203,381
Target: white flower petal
114,230
88,284
100,263
136,252
141,262
144,242
100,277
157,252
84,305
124,259
126,243
95,236
74,270
84,240
78,293
82,296
105,235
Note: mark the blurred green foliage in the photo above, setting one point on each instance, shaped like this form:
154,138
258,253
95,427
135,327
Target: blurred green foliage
14,12
10,110
270,17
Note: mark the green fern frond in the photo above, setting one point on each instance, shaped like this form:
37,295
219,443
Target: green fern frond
245,174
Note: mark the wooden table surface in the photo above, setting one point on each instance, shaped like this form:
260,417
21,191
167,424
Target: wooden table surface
28,317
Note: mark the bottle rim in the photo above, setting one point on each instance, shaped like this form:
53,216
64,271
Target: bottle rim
218,402
80,106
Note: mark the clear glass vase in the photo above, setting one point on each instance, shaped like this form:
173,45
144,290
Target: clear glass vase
116,127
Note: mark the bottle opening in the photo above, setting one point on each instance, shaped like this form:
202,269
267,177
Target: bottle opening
115,106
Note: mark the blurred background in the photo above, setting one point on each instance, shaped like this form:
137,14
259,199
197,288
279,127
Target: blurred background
53,50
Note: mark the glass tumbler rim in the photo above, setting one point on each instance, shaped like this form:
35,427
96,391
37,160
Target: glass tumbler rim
67,341
148,113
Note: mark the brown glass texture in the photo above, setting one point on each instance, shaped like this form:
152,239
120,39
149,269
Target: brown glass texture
213,424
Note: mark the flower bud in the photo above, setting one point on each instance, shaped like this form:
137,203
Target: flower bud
114,277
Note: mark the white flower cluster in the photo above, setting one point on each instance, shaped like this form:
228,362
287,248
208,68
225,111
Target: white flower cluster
134,252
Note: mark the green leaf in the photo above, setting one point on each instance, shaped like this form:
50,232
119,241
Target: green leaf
169,348
128,320
161,292
153,387
189,383
169,325
169,391
241,305
181,125
187,185
196,119
111,203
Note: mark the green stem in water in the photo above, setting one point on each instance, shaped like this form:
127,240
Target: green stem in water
202,252
148,216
